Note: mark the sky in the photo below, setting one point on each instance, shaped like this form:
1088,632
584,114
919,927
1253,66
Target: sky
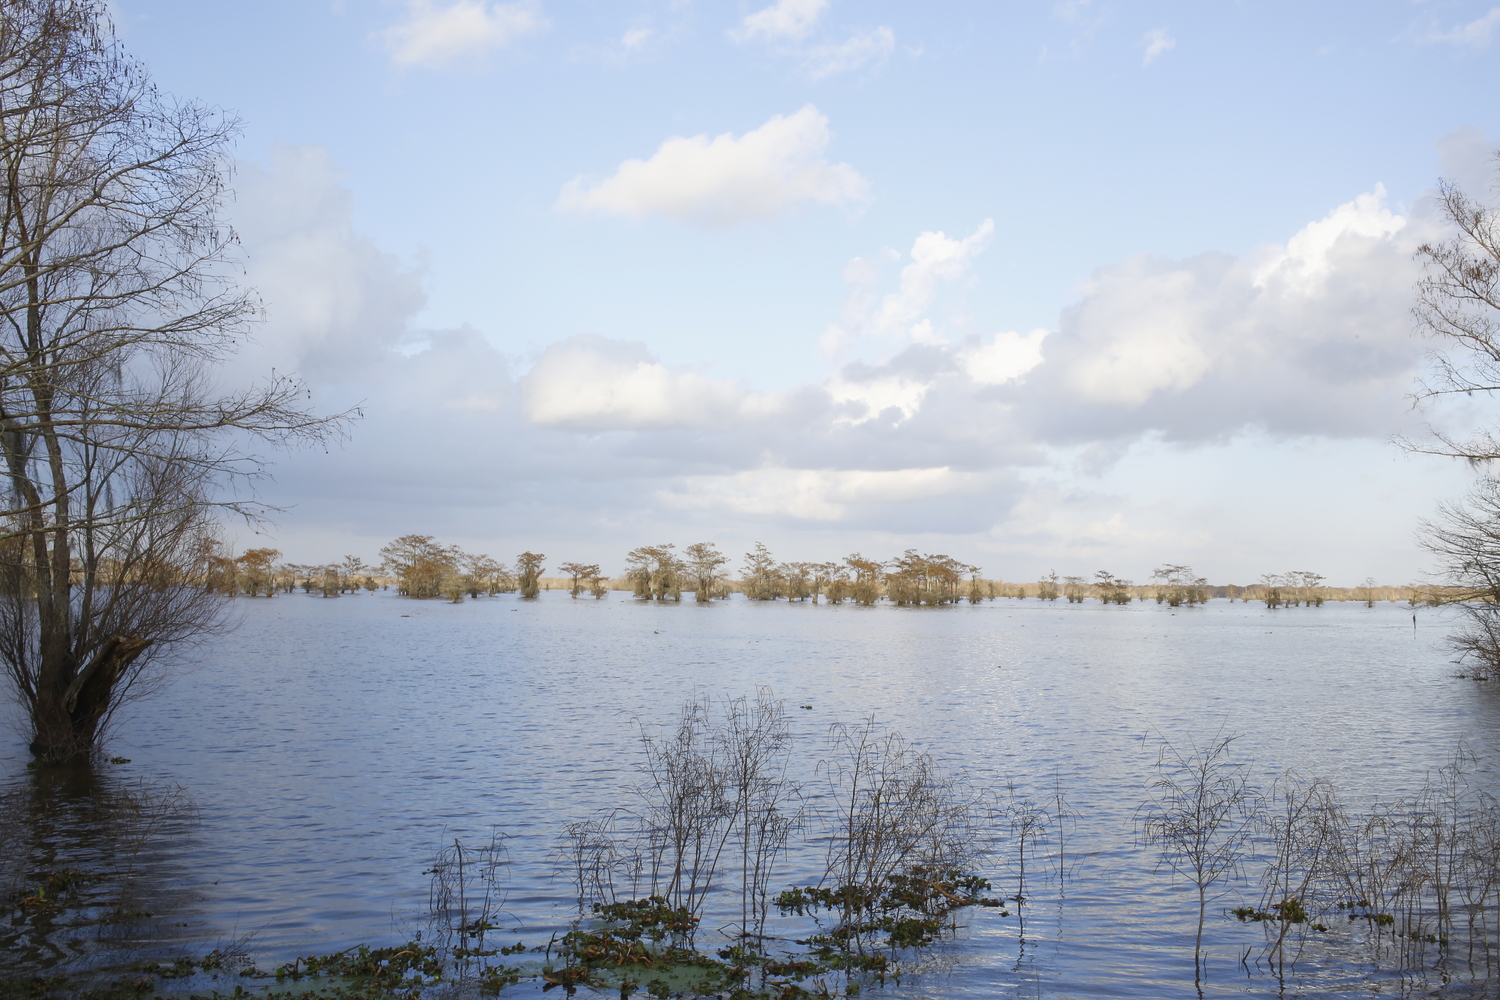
1067,286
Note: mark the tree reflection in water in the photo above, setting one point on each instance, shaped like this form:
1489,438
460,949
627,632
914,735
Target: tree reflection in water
86,880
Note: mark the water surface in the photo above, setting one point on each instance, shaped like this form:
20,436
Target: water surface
331,746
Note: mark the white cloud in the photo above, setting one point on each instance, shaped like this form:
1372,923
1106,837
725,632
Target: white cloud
787,24
593,384
813,494
860,49
1156,41
438,35
782,21
602,445
1081,12
1142,324
635,38
874,397
1308,259
1009,357
1468,159
1310,337
335,302
900,317
1477,34
727,179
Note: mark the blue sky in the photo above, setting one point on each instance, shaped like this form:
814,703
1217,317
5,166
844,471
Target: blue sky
1071,285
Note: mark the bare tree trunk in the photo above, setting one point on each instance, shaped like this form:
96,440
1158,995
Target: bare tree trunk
115,305
67,724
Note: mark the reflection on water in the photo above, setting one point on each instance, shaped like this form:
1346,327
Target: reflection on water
332,747
89,864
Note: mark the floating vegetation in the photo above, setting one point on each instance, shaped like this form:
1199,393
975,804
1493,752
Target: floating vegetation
683,888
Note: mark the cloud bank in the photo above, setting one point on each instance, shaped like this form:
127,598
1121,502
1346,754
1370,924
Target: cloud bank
994,437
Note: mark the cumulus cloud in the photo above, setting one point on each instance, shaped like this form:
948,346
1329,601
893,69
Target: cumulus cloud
1156,42
1309,337
1477,34
1306,337
589,383
1007,358
782,21
728,179
438,35
335,302
900,317
862,399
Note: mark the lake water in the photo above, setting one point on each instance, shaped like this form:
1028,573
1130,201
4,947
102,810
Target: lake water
330,747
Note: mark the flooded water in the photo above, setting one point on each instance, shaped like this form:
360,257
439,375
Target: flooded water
329,747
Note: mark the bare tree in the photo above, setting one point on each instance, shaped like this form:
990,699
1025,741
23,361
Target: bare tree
1466,539
1200,818
1458,303
117,301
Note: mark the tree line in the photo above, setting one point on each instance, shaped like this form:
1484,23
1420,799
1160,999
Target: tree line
421,567
416,565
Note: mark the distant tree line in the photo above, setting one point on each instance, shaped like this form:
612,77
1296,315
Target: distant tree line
657,572
418,566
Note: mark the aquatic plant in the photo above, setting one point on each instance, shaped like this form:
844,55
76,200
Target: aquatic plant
1200,818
